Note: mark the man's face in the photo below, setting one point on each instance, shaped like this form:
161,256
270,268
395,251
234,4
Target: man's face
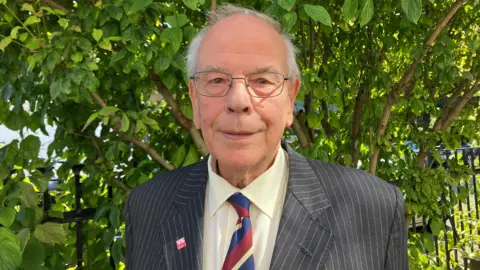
242,131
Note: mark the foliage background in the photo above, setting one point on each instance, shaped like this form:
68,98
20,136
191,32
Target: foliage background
378,78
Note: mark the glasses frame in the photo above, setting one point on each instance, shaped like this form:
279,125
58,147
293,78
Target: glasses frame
247,86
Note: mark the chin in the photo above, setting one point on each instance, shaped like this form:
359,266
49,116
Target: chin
240,159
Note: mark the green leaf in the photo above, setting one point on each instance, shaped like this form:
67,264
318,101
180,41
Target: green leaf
30,147
313,119
286,4
366,13
14,32
428,242
125,123
5,42
28,195
177,20
187,110
50,233
192,156
3,2
172,36
191,4
108,110
138,5
289,20
140,126
7,216
53,59
24,236
179,156
105,44
28,7
117,251
101,211
33,255
56,88
437,225
31,20
468,75
10,253
7,92
114,216
162,63
119,55
77,57
413,9
318,13
63,23
97,34
169,79
90,120
349,9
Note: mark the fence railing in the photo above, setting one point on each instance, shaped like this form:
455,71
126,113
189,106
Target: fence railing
459,223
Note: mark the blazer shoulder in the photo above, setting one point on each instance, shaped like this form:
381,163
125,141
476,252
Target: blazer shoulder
364,184
159,189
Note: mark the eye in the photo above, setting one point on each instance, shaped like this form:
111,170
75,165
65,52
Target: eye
217,81
262,81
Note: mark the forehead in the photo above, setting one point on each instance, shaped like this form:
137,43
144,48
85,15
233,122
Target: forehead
242,43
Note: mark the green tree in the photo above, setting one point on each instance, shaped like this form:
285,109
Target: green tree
109,76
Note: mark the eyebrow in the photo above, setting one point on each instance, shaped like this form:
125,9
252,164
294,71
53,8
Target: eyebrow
256,70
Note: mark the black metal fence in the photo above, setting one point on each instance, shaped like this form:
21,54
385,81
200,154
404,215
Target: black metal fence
460,223
78,216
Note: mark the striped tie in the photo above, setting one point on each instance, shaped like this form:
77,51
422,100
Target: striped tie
240,252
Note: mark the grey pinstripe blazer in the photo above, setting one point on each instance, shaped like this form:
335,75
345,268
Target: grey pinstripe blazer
333,218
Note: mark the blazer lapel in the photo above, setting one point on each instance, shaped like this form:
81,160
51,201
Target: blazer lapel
187,222
304,236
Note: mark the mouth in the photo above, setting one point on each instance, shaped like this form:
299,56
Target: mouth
238,135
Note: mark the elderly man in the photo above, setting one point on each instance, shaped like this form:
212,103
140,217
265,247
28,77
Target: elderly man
255,203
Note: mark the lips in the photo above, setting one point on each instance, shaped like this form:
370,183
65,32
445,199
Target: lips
238,135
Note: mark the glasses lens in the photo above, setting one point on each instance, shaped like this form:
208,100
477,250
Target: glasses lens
212,83
265,84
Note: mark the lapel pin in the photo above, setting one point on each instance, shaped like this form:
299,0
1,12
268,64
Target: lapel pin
181,243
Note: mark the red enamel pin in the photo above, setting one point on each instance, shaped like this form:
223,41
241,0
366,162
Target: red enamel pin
181,243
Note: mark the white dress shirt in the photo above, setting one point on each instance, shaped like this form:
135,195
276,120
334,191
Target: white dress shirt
266,194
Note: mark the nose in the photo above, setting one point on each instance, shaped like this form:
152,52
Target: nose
239,100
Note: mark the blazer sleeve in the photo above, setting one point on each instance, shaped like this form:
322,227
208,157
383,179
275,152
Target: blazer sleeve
397,254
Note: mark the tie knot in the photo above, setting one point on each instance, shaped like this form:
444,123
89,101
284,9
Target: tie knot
241,204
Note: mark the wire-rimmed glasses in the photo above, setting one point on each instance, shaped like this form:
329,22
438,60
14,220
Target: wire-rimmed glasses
217,84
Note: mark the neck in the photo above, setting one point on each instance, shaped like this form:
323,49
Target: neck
241,178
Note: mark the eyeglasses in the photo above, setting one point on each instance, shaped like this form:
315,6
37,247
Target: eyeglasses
217,84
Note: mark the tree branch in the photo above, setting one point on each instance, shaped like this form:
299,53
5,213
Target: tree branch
463,101
150,151
302,137
356,138
326,126
54,5
213,5
184,121
449,114
400,86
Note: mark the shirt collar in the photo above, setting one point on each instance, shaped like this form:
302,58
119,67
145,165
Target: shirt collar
269,182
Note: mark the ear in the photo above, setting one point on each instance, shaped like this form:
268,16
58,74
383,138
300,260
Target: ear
292,96
193,98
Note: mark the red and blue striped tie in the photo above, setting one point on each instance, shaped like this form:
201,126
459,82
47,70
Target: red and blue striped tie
240,252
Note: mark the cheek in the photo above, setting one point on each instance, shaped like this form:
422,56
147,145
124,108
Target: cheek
209,109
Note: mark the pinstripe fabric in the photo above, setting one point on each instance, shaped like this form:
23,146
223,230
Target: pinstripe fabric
333,218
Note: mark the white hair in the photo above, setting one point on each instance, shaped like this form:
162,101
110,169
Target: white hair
225,11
